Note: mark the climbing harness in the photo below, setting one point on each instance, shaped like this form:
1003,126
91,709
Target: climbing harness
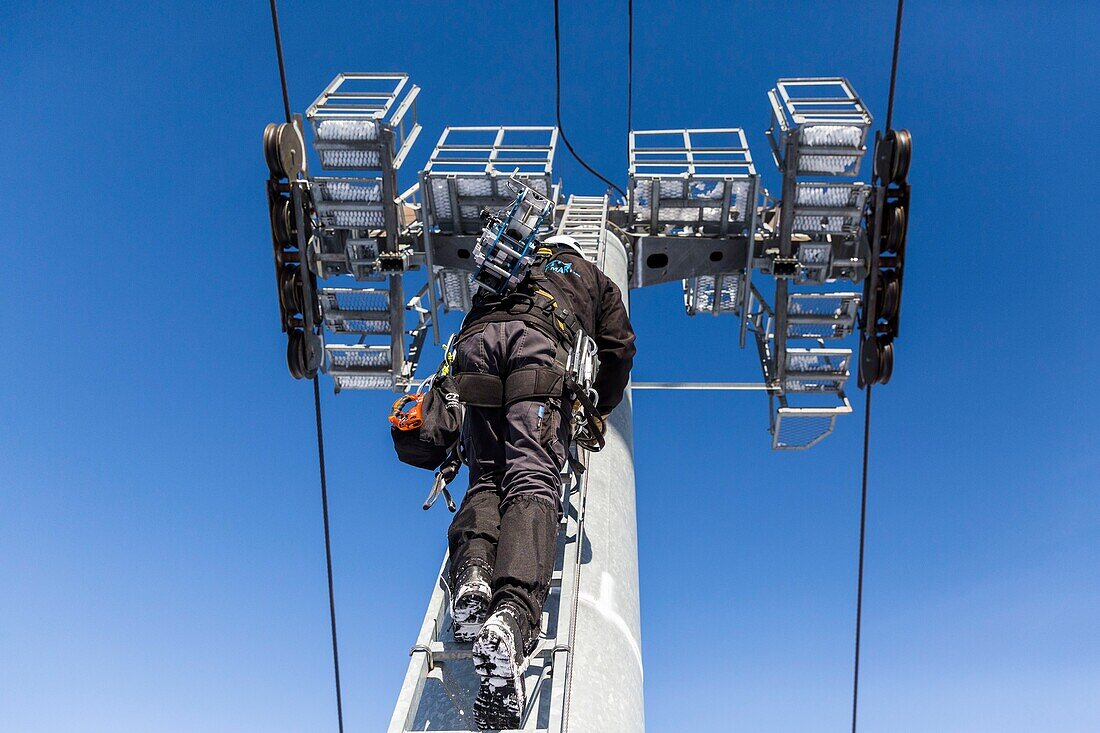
536,301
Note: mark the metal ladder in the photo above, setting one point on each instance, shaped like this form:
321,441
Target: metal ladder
441,683
585,219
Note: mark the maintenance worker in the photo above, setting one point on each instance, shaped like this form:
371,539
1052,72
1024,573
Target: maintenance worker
509,361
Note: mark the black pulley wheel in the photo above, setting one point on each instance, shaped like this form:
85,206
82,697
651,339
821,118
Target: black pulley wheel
901,155
897,221
884,159
312,350
888,296
285,151
295,351
886,363
290,289
271,150
869,360
282,222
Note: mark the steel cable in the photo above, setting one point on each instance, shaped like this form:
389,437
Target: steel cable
894,66
867,417
279,54
862,537
557,103
320,431
328,550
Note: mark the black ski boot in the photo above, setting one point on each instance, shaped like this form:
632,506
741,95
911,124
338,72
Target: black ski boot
499,658
470,602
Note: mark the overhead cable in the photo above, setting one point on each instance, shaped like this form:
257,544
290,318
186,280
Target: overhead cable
862,537
557,103
867,417
328,550
894,66
279,54
320,432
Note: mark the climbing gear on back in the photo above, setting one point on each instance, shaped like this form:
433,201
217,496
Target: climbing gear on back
506,249
538,302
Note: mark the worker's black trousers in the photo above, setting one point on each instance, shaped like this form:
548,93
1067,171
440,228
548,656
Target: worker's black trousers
508,520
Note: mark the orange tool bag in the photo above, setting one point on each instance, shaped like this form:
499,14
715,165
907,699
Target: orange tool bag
425,426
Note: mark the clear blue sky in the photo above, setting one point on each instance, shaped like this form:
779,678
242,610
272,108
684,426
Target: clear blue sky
161,557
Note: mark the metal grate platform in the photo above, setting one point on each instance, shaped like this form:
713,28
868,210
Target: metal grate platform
360,366
364,121
828,208
349,203
804,426
692,177
456,289
815,369
828,121
715,294
470,167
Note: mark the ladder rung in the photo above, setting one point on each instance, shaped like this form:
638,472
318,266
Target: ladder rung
448,651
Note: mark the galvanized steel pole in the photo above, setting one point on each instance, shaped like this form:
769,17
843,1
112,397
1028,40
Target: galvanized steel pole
605,682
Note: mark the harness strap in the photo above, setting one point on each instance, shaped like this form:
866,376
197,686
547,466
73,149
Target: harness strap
533,383
480,390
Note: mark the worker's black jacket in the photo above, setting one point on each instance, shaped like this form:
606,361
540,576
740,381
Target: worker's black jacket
596,302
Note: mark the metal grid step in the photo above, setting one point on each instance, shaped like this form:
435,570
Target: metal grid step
828,208
456,288
816,370
822,315
360,366
356,310
349,203
700,294
802,426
